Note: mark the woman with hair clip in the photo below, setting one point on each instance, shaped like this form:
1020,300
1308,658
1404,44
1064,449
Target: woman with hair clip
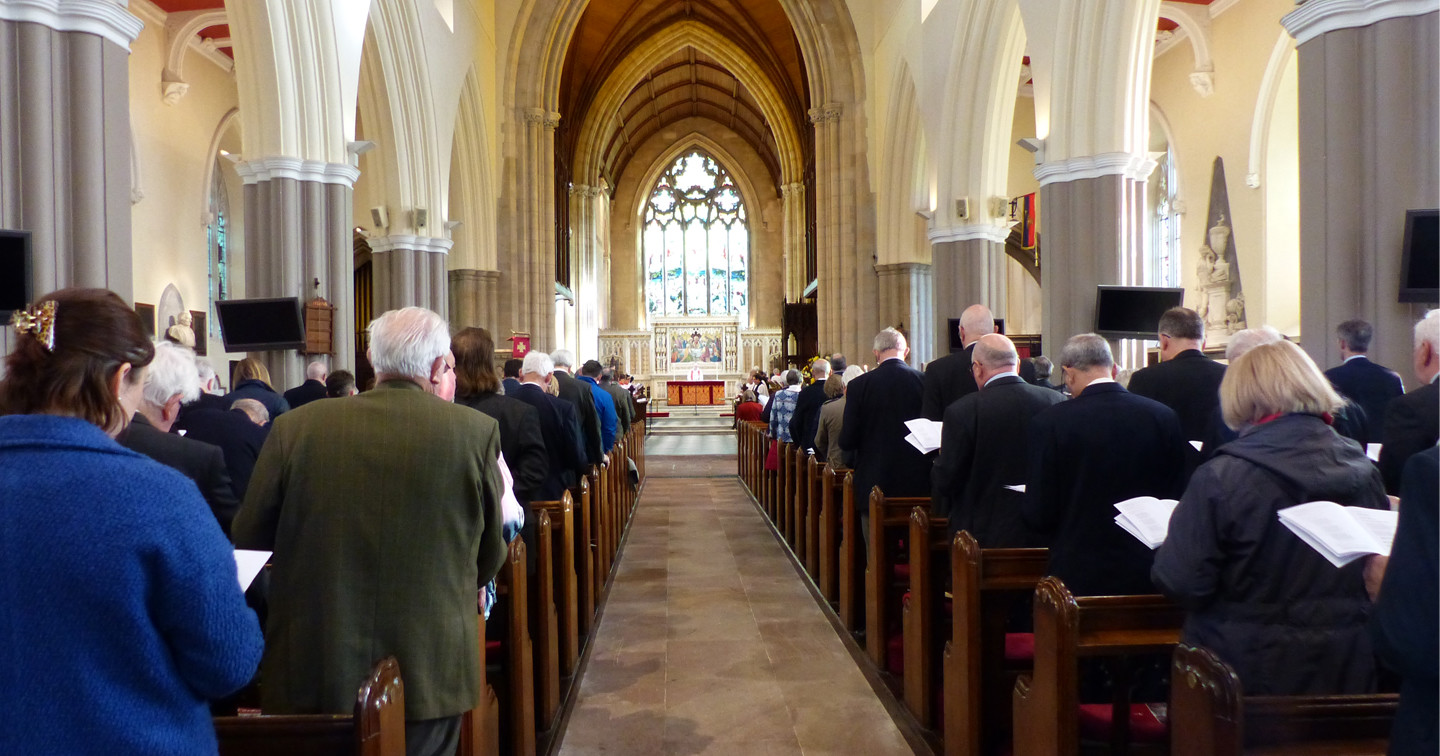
118,593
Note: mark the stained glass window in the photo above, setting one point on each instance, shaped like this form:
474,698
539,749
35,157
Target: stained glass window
696,242
219,242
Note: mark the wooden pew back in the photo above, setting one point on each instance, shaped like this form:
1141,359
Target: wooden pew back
832,482
562,531
889,517
1211,716
923,616
377,727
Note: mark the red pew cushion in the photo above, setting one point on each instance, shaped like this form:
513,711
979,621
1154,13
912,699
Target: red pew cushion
1145,727
1019,647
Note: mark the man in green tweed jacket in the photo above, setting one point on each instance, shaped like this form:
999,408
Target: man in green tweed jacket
383,511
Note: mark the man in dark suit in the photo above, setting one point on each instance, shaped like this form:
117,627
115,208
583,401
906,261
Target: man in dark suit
239,438
559,427
511,373
949,378
1361,381
806,420
313,388
578,394
383,512
1102,447
983,446
877,404
1411,420
624,403
170,379
1186,381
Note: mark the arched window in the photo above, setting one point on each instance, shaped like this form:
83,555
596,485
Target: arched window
696,242
1163,267
219,241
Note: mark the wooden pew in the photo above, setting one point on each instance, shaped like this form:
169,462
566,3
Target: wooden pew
377,727
978,676
923,616
851,586
794,519
544,625
601,533
586,573
811,489
517,701
1211,716
889,518
567,604
783,486
1047,701
832,483
480,726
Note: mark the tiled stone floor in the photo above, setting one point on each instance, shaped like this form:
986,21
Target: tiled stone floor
711,644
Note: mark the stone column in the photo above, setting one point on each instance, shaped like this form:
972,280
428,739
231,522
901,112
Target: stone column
410,271
474,300
298,243
905,297
968,267
65,143
846,315
589,238
1369,144
793,196
528,262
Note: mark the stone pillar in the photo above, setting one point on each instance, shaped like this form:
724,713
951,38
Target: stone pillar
410,271
968,267
474,300
1092,225
65,144
528,262
905,297
589,239
793,196
846,314
298,243
1369,144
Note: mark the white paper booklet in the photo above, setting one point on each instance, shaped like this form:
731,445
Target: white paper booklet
1342,534
248,564
1147,518
924,434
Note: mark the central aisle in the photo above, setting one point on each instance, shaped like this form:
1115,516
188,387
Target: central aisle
711,644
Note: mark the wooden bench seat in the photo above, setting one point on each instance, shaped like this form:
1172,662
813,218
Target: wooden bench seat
545,630
1047,701
889,522
924,615
1211,716
811,490
377,727
511,657
981,660
832,491
562,532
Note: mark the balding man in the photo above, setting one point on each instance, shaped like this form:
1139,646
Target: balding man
983,448
1411,420
384,514
877,405
949,378
806,420
313,388
1103,446
1186,381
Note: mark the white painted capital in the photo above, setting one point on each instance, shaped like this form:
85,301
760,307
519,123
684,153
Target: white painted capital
966,232
108,19
1136,167
265,169
405,241
1203,82
1317,17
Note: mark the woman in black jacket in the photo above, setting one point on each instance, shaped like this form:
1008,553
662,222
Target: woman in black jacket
1287,620
477,385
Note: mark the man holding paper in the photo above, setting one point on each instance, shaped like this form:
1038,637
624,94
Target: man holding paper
877,404
1272,607
983,445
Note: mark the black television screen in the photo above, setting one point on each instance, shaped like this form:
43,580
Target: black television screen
15,284
1133,312
259,325
1420,257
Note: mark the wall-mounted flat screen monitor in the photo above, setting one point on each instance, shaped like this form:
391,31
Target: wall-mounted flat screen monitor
1420,257
1133,312
15,272
261,325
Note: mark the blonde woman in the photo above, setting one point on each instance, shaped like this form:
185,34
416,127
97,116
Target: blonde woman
251,380
1272,607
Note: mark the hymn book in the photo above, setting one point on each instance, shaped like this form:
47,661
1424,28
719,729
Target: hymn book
1342,534
1147,518
248,564
924,434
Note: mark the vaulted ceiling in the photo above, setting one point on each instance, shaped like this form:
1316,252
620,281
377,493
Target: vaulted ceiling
688,83
220,32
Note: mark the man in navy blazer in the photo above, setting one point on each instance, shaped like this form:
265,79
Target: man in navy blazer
948,378
1186,381
806,420
1412,422
877,404
1367,384
983,446
559,426
1103,446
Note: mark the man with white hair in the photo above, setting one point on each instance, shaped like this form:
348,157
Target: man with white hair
877,404
313,388
170,381
806,420
559,426
949,378
384,515
573,391
1411,420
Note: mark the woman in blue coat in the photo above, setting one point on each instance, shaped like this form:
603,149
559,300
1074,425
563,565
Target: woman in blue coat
119,603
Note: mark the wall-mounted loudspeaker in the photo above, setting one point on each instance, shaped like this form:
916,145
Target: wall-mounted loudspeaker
422,218
379,215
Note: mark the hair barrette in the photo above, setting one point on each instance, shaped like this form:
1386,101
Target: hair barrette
39,320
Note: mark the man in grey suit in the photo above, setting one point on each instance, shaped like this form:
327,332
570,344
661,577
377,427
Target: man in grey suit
983,448
383,511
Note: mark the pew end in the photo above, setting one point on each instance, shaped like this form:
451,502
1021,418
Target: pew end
376,728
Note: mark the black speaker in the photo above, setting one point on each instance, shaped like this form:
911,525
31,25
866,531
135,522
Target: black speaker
16,287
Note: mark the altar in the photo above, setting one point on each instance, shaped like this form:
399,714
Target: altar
695,393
